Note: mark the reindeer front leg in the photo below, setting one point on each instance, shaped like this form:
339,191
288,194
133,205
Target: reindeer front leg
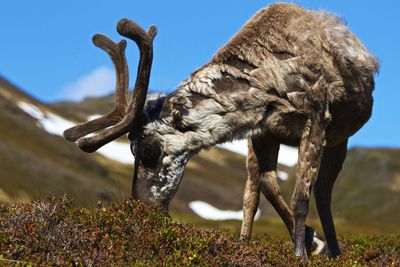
251,196
331,164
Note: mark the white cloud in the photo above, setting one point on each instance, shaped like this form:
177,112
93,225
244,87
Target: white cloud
99,82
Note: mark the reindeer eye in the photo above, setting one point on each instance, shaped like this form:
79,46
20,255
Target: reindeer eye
149,151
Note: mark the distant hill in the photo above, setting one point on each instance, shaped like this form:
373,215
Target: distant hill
369,186
367,189
36,161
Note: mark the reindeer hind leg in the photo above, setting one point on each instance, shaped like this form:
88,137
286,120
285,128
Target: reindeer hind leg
262,163
331,164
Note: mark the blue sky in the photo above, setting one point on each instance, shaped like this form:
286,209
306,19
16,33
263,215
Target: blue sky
46,48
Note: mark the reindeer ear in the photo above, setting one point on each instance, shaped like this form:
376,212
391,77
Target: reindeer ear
153,106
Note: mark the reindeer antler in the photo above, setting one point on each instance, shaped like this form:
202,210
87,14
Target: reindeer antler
125,117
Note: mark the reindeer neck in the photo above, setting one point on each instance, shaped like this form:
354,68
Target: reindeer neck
215,104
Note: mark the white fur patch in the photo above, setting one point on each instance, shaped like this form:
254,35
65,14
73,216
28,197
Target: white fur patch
320,245
170,176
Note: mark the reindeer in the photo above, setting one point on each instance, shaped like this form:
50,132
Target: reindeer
289,76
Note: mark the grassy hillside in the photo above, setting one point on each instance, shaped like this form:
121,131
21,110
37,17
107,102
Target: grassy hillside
79,111
129,233
367,189
34,163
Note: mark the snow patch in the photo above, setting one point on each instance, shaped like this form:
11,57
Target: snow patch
238,146
56,125
93,117
287,155
209,212
283,175
50,122
117,151
32,110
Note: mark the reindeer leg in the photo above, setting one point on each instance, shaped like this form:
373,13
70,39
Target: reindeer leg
271,190
331,164
262,164
310,153
251,196
266,150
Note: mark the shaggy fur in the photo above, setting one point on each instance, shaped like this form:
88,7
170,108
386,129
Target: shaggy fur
290,75
299,77
266,75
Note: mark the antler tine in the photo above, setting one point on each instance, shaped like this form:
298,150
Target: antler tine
133,117
144,41
117,54
116,51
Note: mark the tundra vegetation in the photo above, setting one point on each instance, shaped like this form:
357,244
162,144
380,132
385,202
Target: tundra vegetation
128,232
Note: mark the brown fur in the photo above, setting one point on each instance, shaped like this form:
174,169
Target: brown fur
290,76
293,53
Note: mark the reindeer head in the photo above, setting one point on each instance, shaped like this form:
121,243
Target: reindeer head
157,172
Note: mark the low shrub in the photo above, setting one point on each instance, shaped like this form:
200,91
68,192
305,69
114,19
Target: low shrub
52,232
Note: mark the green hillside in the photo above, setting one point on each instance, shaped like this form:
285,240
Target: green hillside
34,163
367,189
369,186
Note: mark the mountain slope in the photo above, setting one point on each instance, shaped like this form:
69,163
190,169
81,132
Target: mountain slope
366,190
37,161
34,163
369,186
